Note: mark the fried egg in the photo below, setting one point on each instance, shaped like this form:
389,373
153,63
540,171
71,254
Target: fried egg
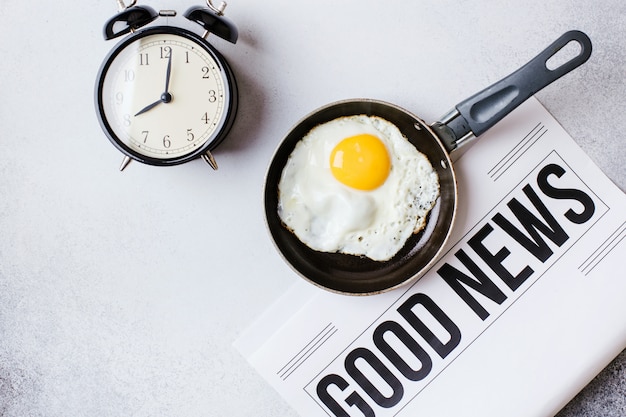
356,185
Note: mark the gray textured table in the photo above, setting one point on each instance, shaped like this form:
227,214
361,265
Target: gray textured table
604,396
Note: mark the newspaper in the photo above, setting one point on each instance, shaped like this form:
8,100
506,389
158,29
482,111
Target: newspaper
524,307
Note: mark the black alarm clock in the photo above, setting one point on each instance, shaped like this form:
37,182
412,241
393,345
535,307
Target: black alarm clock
164,95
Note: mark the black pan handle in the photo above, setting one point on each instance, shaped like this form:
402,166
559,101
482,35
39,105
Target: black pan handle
481,111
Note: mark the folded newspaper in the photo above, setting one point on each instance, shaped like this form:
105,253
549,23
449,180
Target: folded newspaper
525,306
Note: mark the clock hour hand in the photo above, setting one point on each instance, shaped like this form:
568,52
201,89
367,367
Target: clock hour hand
168,73
165,98
150,106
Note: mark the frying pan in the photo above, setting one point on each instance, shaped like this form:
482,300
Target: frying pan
349,274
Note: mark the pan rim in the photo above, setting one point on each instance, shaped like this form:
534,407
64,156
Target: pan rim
452,185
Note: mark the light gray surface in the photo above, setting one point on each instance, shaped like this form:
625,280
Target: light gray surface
121,294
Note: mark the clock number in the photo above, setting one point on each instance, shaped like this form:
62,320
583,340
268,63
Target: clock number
190,136
119,98
205,72
205,118
166,51
127,120
143,59
145,135
166,141
129,75
186,57
212,97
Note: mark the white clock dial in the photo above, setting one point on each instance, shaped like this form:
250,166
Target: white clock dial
164,96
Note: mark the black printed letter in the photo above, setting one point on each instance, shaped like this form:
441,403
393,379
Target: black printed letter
333,406
395,358
550,229
367,385
479,282
443,349
566,194
495,260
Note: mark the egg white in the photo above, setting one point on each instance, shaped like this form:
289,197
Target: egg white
329,216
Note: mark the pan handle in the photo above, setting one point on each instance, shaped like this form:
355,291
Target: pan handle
481,111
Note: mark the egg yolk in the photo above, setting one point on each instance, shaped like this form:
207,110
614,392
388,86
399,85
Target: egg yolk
360,162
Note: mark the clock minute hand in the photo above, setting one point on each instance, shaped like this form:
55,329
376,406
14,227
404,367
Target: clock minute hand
168,73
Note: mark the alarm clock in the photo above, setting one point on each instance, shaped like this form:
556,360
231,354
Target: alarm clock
164,95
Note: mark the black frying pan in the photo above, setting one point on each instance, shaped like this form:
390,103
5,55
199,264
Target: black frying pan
360,275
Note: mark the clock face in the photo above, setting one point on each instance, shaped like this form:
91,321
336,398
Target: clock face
164,96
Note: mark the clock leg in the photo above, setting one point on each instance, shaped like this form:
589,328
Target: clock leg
209,159
125,163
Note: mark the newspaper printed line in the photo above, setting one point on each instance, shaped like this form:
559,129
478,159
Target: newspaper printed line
306,352
603,250
518,150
